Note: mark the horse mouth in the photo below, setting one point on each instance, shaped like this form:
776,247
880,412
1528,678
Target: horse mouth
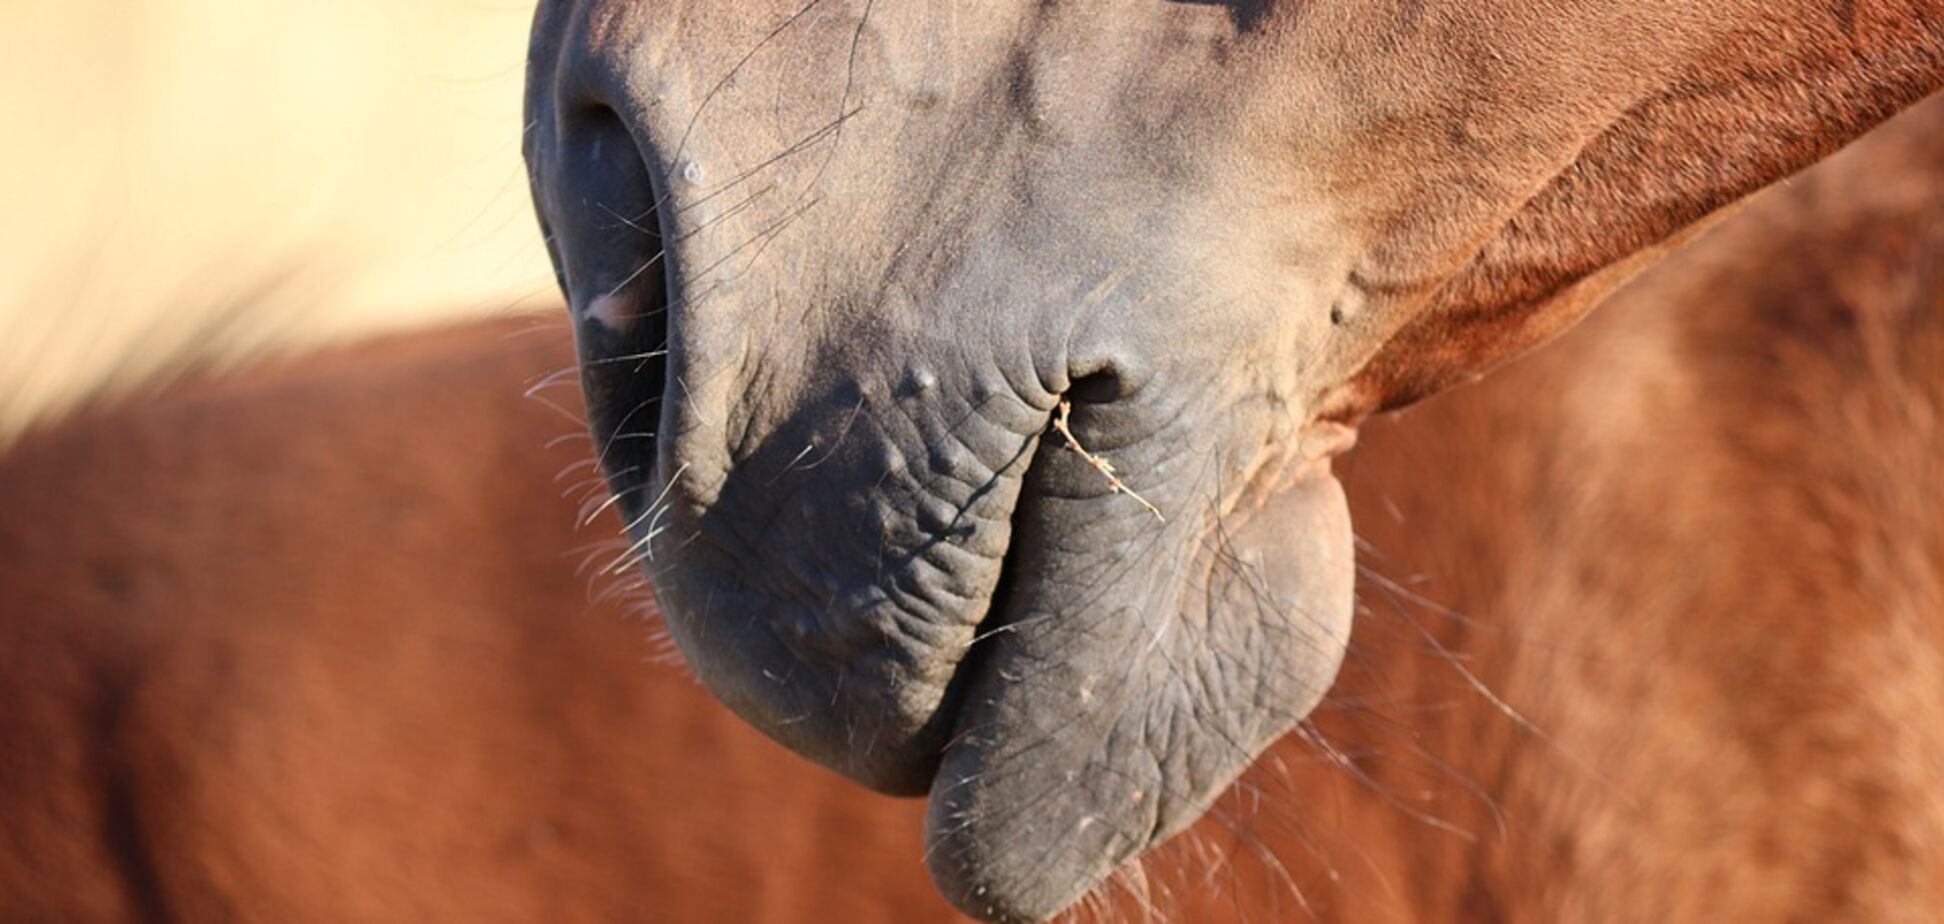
970,752
1106,687
1067,679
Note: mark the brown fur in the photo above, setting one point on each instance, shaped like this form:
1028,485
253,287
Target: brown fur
310,645
1684,113
1697,545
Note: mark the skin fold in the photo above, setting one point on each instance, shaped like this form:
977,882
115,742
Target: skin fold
834,266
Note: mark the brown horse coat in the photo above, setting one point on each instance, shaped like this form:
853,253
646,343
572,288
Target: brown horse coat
310,644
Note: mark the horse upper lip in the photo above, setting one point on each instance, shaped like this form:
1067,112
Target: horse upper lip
991,628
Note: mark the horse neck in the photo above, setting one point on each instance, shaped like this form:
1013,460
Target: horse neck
1663,596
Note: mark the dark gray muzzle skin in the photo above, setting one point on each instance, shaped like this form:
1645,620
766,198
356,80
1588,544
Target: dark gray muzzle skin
824,328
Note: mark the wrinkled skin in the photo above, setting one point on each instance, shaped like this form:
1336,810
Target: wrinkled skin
898,235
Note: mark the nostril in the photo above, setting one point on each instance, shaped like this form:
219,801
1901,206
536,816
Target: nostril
1102,386
602,209
605,223
1104,372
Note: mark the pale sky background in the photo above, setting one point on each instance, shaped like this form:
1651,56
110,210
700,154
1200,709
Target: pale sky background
190,181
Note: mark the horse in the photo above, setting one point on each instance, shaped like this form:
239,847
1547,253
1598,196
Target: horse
970,379
328,640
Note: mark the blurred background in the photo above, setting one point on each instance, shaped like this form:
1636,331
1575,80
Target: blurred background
190,182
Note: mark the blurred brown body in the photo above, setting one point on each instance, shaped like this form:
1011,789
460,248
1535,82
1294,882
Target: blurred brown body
312,644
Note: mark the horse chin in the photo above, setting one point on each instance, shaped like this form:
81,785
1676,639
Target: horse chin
1082,744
